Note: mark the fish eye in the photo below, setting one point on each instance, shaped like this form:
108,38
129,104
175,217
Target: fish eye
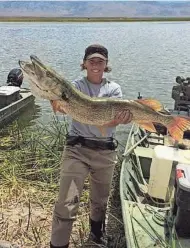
48,74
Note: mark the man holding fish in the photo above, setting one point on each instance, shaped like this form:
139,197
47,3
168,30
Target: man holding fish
86,153
96,108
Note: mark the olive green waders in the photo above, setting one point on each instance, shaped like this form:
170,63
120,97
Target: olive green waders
78,162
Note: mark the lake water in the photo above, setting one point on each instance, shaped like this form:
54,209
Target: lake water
145,56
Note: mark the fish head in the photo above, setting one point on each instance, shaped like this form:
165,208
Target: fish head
44,81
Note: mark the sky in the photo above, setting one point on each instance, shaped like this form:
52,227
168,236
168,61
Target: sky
98,0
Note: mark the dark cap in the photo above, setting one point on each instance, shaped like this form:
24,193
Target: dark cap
96,51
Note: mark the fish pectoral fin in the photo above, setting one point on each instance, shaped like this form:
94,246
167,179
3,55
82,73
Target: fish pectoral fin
57,107
147,126
152,103
102,130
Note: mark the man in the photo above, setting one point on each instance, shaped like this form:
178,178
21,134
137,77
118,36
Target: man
87,152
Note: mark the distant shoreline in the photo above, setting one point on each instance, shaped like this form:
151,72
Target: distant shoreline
91,19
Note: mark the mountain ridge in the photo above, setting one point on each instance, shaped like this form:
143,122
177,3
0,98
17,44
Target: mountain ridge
94,9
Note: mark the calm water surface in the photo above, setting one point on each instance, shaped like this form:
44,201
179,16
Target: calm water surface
145,57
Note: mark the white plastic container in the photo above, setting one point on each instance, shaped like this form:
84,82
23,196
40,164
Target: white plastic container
8,90
8,94
162,176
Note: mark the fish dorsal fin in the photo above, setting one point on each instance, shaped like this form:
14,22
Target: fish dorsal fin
152,103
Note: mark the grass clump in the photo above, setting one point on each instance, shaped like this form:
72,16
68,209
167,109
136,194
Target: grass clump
29,176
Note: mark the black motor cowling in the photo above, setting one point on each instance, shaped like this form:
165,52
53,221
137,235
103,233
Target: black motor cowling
15,77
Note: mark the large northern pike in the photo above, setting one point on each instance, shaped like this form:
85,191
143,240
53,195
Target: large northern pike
64,97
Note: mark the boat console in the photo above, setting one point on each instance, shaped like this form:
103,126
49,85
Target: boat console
8,95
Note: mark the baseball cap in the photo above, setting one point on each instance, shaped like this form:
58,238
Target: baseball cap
96,51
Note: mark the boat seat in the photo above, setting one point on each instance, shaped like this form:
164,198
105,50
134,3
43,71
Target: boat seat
143,152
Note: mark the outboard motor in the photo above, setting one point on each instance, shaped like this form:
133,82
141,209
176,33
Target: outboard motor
15,77
179,79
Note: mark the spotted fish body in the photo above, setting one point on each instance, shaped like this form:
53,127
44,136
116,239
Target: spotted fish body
64,97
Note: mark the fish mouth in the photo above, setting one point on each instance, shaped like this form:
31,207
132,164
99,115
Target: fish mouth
37,68
34,68
37,62
41,77
24,65
33,65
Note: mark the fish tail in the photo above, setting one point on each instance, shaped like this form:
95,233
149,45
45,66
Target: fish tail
177,127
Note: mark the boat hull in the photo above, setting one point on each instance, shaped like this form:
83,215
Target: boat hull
148,221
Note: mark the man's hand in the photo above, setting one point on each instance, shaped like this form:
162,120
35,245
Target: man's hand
123,117
57,106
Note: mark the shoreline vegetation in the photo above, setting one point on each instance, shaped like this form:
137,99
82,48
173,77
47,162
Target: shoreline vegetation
92,19
30,161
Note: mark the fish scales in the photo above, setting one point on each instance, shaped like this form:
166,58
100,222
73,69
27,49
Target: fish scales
64,97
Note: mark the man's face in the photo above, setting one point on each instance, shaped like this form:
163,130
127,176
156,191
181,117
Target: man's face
95,66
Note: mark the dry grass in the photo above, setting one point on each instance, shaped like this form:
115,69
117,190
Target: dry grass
29,181
26,214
